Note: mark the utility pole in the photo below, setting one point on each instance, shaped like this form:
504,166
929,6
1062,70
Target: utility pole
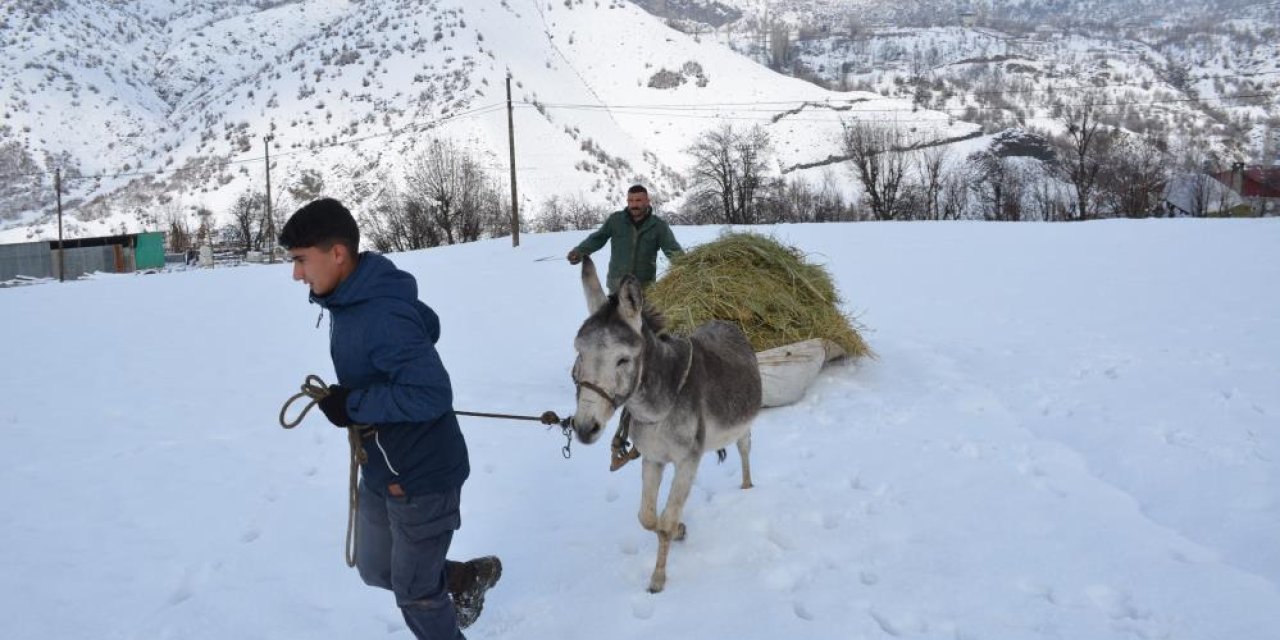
511,140
271,223
57,188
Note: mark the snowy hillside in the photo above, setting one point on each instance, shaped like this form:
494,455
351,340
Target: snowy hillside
1195,72
1200,77
1071,432
158,111
353,90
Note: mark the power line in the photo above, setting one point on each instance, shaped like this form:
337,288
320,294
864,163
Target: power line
413,127
707,111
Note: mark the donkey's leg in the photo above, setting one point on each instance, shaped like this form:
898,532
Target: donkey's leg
681,484
669,526
651,476
744,452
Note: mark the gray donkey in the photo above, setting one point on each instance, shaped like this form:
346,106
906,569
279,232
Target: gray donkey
685,396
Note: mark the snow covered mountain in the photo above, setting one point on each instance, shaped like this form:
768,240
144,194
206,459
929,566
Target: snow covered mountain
153,106
157,109
1204,75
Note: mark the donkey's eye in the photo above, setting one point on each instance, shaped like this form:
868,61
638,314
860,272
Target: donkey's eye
622,362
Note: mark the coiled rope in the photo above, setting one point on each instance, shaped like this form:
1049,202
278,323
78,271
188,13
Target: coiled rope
315,389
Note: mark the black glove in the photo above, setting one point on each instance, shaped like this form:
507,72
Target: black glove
334,405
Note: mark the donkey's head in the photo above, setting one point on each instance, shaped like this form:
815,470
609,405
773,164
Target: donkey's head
610,346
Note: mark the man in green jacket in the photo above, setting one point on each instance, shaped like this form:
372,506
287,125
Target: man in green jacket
634,234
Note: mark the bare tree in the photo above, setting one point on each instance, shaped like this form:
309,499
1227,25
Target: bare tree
394,222
1048,202
795,201
998,184
728,171
1197,192
564,213
831,205
495,209
880,165
714,175
179,227
1086,145
1133,182
447,199
1200,191
446,182
930,164
752,152
247,215
954,200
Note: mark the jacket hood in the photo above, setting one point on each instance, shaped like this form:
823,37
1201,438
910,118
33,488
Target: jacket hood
377,278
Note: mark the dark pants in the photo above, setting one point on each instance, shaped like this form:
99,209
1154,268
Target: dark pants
401,545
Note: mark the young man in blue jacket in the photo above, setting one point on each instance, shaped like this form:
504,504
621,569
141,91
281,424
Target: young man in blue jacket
391,382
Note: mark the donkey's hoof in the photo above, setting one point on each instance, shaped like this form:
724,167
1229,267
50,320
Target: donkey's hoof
681,531
657,583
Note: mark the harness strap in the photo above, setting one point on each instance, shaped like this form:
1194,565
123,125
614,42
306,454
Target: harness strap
620,450
613,401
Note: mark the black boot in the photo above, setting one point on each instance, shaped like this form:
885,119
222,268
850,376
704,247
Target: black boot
468,582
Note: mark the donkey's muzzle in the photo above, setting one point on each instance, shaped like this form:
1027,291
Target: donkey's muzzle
588,431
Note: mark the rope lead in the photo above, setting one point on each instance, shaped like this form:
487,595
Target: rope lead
314,389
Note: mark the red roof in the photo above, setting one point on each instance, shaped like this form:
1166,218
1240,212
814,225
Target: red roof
1257,182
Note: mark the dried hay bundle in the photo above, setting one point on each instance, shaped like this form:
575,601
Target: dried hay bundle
764,286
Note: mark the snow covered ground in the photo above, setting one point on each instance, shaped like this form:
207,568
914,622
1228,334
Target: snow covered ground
1071,432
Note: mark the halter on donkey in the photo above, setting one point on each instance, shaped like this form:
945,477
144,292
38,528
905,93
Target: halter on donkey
685,396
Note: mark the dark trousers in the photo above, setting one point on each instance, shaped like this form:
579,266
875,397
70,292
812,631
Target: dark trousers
401,544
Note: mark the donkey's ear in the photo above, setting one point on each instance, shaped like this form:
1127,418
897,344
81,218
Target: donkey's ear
591,285
631,302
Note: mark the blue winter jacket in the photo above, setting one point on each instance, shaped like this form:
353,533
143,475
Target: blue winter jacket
382,339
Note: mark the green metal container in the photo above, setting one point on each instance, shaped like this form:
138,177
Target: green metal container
149,252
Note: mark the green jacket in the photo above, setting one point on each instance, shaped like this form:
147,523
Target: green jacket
632,250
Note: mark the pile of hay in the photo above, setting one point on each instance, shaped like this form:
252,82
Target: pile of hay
762,285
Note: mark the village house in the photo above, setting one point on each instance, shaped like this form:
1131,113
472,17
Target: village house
1257,186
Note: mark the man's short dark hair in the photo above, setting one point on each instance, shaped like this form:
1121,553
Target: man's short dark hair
638,188
321,223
